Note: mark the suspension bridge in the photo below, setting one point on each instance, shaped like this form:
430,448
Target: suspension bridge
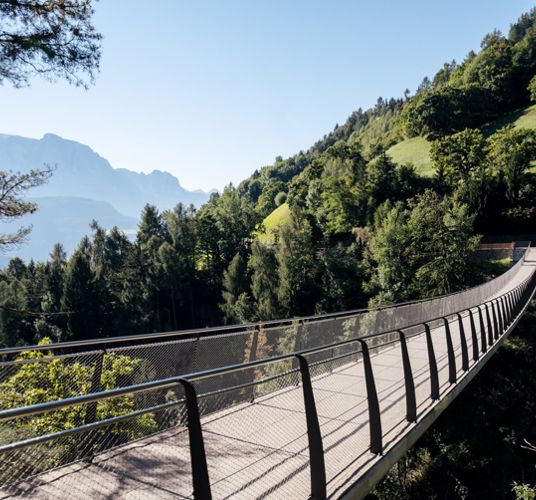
311,407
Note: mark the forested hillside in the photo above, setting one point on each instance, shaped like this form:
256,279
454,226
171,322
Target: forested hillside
339,226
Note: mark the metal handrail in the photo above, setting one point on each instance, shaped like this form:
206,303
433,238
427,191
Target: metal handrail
506,309
25,411
212,331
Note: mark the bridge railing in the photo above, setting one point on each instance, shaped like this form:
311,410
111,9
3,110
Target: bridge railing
157,356
48,436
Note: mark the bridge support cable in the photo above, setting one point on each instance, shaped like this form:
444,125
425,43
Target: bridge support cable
411,404
314,436
450,352
474,337
434,376
201,482
463,343
375,424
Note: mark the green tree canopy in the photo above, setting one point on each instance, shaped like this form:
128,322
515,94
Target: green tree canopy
51,38
511,152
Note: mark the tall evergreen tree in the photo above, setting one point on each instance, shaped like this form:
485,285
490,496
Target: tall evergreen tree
298,268
264,281
82,297
236,302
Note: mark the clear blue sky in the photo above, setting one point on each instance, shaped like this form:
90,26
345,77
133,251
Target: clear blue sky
210,91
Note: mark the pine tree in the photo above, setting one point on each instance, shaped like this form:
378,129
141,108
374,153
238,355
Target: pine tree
81,296
235,305
264,281
298,268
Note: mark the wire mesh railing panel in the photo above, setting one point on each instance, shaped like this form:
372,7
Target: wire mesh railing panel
223,350
37,377
256,451
61,458
157,360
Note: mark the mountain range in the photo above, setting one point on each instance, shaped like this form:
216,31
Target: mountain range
83,187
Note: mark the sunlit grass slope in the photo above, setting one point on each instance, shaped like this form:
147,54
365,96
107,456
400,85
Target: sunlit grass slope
417,149
272,222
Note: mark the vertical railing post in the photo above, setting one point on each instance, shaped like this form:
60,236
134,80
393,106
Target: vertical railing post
450,352
195,354
482,330
253,357
512,306
493,306
375,424
508,308
525,294
490,329
518,301
96,386
463,342
434,376
504,315
411,404
499,318
316,449
299,324
474,337
198,456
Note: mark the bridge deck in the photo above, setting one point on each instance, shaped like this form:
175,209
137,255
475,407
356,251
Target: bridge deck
259,449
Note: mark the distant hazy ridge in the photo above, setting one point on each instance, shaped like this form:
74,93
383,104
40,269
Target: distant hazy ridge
84,187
